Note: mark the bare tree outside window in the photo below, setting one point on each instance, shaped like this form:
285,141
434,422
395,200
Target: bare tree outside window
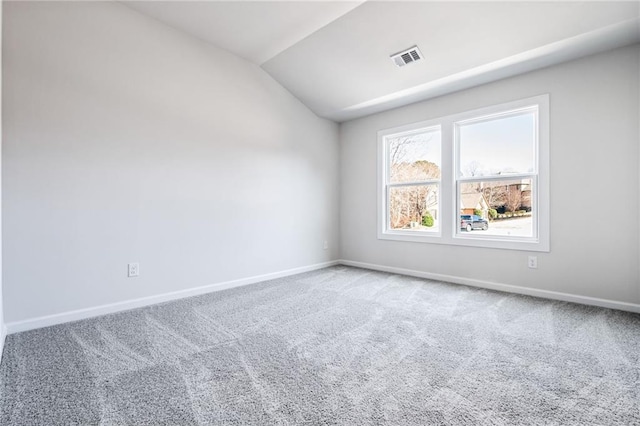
413,177
514,198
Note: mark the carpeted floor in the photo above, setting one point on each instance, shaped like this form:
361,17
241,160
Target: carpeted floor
340,346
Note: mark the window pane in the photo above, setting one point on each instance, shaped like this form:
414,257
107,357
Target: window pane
414,208
415,157
499,146
497,208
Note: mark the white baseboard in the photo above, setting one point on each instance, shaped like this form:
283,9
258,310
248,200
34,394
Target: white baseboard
49,320
546,294
80,314
3,337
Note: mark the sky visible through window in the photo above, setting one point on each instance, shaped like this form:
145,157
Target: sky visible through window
423,146
500,146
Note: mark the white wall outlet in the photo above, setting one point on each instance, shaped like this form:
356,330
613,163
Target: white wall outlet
533,262
133,269
326,245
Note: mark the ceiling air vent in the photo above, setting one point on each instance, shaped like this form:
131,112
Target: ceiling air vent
407,56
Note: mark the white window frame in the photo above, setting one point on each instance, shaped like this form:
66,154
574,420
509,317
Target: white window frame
448,199
384,175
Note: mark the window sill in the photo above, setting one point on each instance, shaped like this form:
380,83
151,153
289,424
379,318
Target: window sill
523,244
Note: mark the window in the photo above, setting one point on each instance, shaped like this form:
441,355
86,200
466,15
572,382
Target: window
478,178
413,180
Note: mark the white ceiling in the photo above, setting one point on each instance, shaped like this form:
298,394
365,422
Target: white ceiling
334,56
254,30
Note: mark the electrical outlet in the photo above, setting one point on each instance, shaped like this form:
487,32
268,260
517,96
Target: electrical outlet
326,245
133,269
533,262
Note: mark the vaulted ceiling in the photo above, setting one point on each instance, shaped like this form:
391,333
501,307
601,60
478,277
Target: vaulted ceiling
335,56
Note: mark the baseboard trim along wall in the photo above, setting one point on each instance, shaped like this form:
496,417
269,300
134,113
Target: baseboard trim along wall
528,291
80,314
3,336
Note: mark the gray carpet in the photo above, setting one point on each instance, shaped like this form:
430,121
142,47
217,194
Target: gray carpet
340,346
